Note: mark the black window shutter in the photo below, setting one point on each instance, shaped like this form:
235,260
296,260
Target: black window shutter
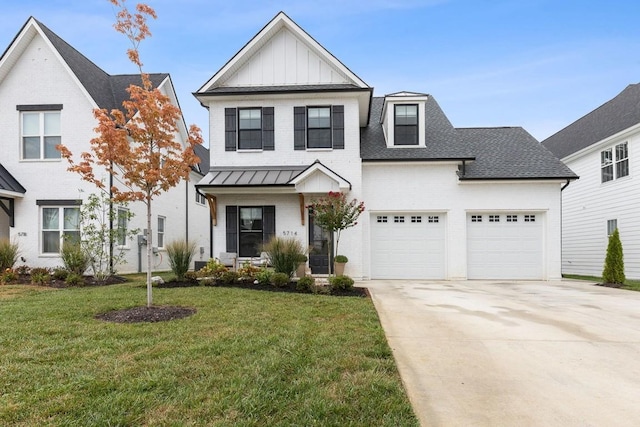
232,229
267,129
230,129
337,126
299,127
268,223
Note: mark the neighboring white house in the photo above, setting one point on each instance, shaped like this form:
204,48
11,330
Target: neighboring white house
48,91
603,147
290,122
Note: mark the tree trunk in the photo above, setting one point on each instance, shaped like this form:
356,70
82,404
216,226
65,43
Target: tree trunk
149,253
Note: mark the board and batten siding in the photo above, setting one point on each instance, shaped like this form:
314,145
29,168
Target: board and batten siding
588,204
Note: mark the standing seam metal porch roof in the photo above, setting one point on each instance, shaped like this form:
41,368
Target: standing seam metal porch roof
251,176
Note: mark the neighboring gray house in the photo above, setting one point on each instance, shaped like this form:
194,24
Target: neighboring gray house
290,122
603,147
48,91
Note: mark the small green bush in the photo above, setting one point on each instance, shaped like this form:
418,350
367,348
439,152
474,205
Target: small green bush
341,259
8,276
280,280
74,279
191,276
341,283
180,254
60,273
284,254
74,258
264,276
614,262
213,269
229,277
305,284
40,275
23,270
9,252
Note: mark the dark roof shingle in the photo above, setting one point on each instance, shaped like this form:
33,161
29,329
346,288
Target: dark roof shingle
612,117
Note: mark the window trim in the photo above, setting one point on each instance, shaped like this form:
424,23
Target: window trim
252,231
41,113
126,227
61,230
612,225
258,129
611,164
328,128
161,233
396,126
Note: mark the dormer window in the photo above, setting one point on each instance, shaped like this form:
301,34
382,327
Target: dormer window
406,124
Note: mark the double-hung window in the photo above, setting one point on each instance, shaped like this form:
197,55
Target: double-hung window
59,226
250,129
41,133
614,162
161,227
123,221
319,127
406,124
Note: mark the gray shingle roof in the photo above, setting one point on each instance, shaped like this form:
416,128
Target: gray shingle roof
106,90
203,154
612,117
491,153
9,183
510,153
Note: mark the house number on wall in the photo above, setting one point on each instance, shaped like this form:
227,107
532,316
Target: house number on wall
289,233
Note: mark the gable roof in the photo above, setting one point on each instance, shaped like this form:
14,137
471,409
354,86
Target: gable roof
9,186
612,117
488,153
105,90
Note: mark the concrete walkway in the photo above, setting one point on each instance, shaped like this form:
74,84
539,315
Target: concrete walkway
482,353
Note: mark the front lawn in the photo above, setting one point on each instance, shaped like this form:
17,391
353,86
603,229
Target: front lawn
247,358
633,285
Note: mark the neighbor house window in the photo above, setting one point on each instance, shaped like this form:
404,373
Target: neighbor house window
622,160
406,125
200,198
618,157
250,129
319,127
41,133
612,224
60,225
161,227
123,220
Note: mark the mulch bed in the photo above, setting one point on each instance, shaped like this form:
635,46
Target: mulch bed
146,314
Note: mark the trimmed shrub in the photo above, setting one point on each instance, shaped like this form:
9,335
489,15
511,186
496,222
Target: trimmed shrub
60,273
9,252
614,262
40,275
191,276
305,284
213,269
284,254
248,271
74,279
341,283
180,256
264,276
280,280
75,260
229,277
341,259
8,276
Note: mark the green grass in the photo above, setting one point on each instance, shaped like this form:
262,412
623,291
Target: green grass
632,285
246,358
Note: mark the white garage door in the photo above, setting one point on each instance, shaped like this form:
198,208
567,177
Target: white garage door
407,246
504,246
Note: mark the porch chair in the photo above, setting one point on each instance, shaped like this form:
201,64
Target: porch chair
263,261
229,259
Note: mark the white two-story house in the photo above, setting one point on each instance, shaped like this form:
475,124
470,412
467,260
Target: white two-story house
603,147
48,91
289,122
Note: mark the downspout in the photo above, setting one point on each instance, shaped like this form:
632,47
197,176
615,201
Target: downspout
561,221
111,219
566,185
186,208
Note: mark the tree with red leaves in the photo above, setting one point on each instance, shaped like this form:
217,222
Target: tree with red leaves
137,145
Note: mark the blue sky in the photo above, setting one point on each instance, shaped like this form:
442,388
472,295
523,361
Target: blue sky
540,64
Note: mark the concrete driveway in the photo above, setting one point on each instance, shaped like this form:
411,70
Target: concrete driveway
482,353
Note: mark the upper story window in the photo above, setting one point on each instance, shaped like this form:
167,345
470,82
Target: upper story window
41,132
618,157
318,127
406,124
612,224
249,129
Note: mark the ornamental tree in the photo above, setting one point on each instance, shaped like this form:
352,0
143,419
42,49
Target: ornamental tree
334,213
614,262
136,145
